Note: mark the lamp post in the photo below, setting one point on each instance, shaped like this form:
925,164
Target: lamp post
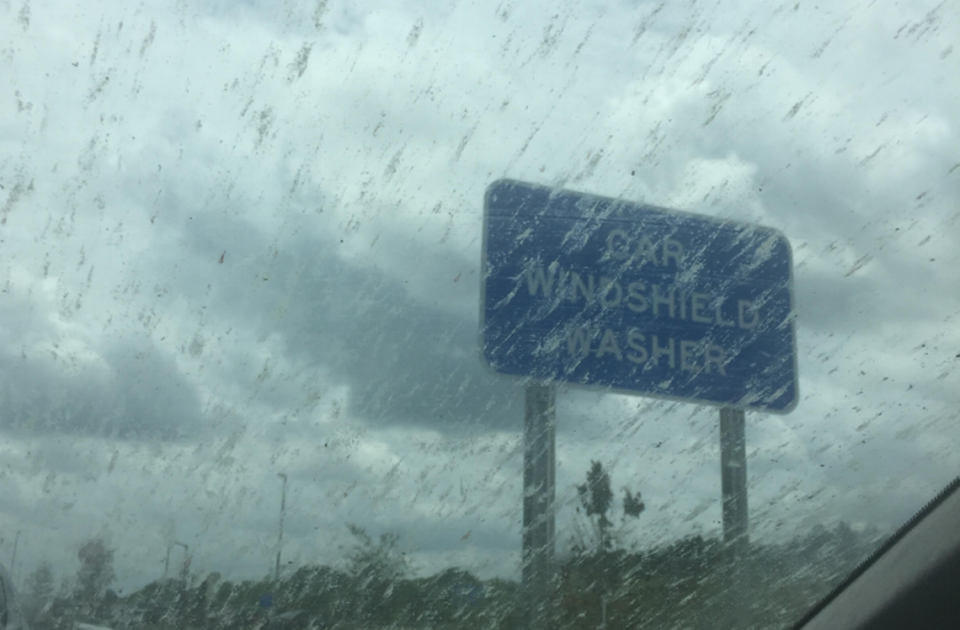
186,549
283,508
13,558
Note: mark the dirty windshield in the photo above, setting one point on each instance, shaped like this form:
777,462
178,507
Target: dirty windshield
429,315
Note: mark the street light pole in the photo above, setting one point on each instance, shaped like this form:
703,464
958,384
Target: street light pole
13,559
186,557
283,508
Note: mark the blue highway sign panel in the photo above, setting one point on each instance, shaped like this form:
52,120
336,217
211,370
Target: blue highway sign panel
601,292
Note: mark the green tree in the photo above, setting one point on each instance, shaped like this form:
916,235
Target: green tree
38,592
96,571
593,582
632,504
40,583
379,558
596,500
596,497
375,567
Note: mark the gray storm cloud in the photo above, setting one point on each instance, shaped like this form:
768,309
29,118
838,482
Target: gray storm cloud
243,238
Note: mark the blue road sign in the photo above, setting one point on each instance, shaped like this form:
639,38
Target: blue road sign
602,292
266,601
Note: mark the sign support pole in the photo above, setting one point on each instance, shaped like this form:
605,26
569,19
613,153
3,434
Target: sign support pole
733,480
539,469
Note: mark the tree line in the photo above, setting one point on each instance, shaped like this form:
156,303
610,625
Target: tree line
690,583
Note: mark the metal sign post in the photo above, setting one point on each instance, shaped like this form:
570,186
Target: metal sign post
539,469
736,524
733,480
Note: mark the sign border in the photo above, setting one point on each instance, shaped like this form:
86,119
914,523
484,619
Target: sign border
525,380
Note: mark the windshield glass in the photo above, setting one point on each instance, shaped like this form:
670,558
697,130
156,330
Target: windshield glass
276,349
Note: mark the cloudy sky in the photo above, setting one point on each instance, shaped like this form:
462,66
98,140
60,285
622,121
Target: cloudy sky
242,237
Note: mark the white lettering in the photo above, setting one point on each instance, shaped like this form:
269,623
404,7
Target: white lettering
620,247
658,352
633,293
562,277
697,304
646,250
686,350
672,249
585,289
606,284
691,356
608,345
634,339
716,307
744,307
578,341
658,300
715,357
618,251
538,281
